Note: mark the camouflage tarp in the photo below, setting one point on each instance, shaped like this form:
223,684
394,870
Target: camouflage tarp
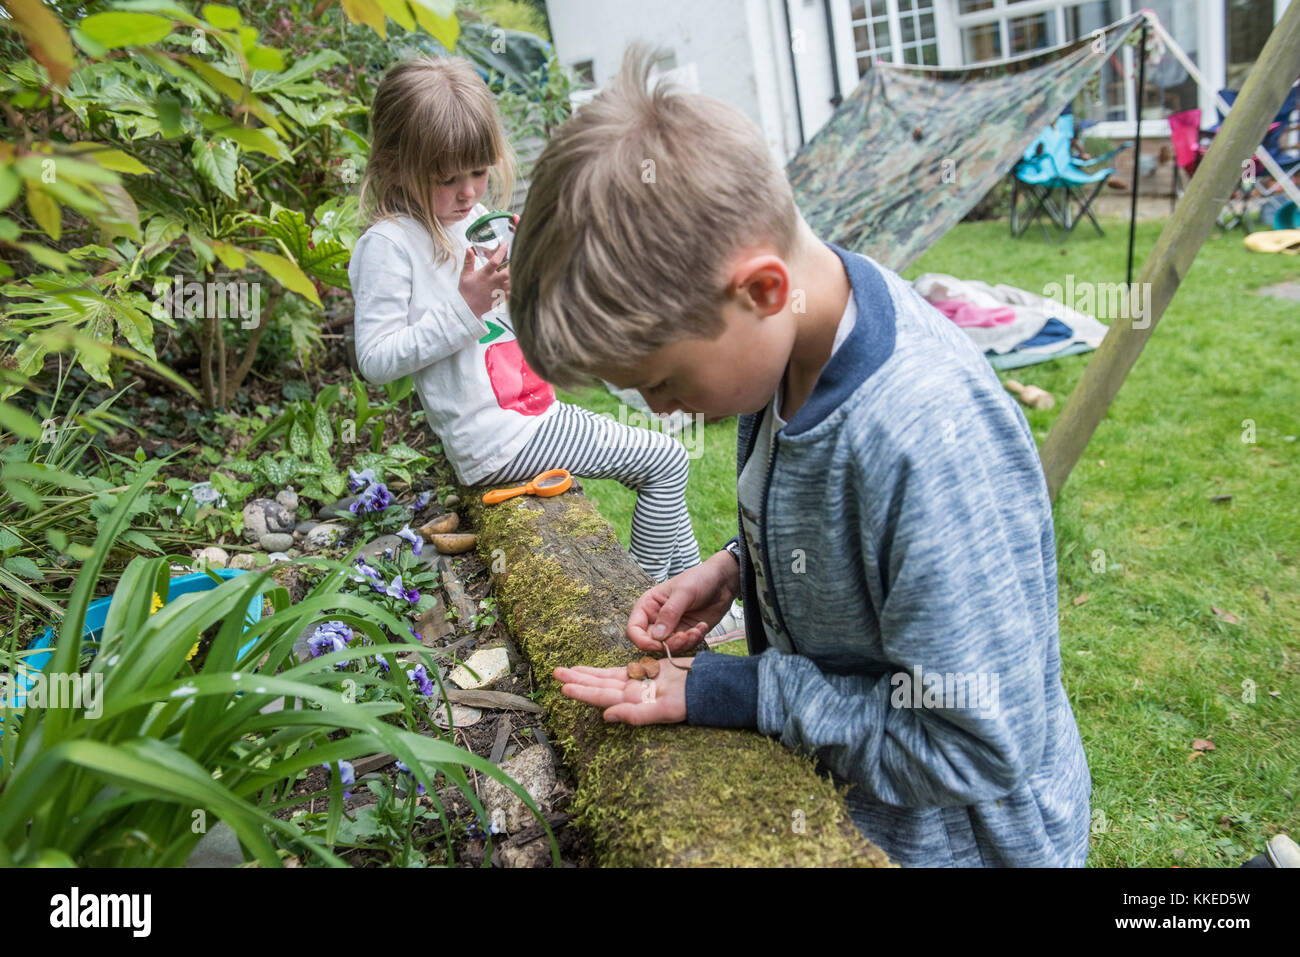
911,150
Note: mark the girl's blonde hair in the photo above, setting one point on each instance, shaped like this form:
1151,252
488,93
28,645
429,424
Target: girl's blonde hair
432,119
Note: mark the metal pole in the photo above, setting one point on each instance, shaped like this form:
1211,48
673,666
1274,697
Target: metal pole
1137,151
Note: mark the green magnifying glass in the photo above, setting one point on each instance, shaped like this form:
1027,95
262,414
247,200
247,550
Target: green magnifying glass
490,231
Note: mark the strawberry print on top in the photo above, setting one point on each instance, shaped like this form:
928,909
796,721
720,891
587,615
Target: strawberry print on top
516,386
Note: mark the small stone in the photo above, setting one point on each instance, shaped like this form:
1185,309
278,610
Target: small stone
288,498
324,535
463,716
455,543
302,528
382,544
536,853
213,556
263,516
451,501
442,525
275,542
277,557
244,561
490,664
534,770
336,509
647,667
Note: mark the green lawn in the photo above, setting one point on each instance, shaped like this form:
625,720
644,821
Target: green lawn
1149,667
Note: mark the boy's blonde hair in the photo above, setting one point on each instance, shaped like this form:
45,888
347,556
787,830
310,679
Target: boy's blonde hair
430,120
635,206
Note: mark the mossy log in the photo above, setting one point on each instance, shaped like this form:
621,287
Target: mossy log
654,796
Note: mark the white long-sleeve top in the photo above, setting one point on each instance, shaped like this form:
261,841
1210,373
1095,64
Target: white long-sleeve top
478,393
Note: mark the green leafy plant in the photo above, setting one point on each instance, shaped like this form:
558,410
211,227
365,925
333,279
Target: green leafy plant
165,747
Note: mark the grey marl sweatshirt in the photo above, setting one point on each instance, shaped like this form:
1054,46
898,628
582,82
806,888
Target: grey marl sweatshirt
908,546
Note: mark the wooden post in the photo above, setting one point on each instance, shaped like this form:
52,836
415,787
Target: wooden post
1243,130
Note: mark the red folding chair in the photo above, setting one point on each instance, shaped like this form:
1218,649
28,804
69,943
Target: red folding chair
1185,134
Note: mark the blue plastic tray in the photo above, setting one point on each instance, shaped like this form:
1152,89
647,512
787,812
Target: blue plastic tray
97,614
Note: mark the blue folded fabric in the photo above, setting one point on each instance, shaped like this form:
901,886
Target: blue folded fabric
1053,331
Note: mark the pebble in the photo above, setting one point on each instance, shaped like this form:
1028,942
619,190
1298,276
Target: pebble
376,548
302,528
534,770
277,557
215,557
335,509
455,543
490,664
324,535
288,498
276,542
244,561
451,501
463,715
263,516
442,525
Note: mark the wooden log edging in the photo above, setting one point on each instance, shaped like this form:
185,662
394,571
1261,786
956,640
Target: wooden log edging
653,796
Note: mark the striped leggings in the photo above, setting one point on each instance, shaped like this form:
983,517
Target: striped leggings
654,465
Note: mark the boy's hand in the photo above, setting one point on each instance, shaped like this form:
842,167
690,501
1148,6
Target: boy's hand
685,607
661,701
479,287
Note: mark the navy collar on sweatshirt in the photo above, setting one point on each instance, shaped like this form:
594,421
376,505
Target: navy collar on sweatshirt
868,345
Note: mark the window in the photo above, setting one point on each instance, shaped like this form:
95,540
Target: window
901,31
1249,23
1104,100
870,32
1170,88
916,32
1036,32
981,43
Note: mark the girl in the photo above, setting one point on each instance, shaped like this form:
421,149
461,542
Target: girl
424,310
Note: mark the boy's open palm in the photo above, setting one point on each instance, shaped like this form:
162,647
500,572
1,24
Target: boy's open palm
658,701
482,288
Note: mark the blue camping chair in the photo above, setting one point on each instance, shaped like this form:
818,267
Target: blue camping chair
1258,193
1057,182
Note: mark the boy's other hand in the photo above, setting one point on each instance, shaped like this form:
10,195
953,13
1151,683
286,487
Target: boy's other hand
685,607
661,701
478,286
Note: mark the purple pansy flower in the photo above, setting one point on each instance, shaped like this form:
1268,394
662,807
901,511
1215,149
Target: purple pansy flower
423,683
375,498
422,500
417,541
348,775
330,636
397,590
359,480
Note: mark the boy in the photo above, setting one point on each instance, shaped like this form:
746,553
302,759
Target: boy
896,557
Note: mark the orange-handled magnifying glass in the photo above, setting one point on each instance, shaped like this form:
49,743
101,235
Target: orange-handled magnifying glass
551,482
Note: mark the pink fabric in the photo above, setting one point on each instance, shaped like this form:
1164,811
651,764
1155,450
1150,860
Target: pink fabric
968,314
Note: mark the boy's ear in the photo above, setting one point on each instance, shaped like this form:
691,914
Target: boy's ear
764,280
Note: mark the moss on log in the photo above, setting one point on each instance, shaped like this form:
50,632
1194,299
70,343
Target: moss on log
655,796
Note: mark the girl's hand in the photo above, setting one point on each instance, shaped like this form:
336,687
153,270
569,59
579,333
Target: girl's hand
661,701
482,288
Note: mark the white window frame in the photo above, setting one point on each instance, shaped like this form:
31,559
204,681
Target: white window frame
847,53
1211,37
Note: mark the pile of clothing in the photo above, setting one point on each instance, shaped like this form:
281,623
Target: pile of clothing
1012,327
